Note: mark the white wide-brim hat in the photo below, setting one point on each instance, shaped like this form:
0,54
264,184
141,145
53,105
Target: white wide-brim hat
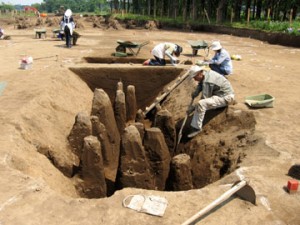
68,13
215,46
194,70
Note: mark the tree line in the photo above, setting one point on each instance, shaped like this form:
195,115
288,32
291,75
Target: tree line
218,10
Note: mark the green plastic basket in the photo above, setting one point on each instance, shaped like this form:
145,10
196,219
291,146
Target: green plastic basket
260,101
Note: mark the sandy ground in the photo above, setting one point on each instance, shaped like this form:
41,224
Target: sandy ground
39,105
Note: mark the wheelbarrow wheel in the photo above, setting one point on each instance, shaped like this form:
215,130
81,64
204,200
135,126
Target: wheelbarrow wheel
120,48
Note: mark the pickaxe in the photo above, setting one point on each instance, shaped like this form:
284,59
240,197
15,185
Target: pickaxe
240,188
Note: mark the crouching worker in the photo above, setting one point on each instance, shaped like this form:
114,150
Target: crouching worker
221,62
67,26
160,51
216,92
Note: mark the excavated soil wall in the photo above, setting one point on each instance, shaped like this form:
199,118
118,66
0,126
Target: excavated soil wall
272,38
117,151
148,82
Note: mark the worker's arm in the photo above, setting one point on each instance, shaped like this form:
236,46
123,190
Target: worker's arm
169,49
218,58
197,90
172,58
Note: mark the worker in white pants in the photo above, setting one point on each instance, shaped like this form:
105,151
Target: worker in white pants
67,25
216,92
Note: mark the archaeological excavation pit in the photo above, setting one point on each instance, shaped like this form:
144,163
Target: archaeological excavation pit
117,145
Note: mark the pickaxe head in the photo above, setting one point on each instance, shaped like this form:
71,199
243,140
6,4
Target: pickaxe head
246,193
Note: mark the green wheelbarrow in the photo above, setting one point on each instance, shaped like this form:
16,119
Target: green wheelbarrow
131,46
197,45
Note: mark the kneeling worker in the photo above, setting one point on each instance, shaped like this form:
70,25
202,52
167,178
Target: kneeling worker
221,62
216,91
164,49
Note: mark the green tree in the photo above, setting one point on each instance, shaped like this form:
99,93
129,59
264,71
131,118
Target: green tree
6,7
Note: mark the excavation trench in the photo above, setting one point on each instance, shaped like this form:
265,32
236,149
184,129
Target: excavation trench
118,146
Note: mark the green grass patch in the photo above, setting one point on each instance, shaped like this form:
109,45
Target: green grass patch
269,26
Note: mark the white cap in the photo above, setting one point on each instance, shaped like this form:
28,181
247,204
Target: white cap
194,70
216,45
68,13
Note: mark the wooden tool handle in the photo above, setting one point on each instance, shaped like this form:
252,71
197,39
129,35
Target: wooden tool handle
218,201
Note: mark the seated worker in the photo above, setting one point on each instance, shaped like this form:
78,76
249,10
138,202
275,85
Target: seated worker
221,62
216,91
160,51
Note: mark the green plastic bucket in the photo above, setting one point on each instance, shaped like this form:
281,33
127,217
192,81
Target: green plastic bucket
260,101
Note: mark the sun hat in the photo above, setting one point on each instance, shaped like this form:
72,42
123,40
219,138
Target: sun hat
194,70
68,13
215,46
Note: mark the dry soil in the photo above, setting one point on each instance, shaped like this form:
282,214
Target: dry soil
38,105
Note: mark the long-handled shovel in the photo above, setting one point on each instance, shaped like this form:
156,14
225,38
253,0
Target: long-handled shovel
241,189
182,125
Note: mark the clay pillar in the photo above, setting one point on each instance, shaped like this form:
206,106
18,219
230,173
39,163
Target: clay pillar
180,173
134,167
99,131
120,110
81,128
140,117
120,86
131,103
92,173
102,108
158,154
141,129
165,122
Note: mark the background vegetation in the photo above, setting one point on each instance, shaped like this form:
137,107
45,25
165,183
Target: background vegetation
270,15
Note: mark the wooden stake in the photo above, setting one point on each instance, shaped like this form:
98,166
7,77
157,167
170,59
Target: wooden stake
248,16
291,17
206,16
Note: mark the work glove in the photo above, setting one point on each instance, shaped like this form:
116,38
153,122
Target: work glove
190,109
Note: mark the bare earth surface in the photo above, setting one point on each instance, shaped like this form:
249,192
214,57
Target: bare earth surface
39,105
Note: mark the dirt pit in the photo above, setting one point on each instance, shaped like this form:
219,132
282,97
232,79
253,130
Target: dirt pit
119,144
